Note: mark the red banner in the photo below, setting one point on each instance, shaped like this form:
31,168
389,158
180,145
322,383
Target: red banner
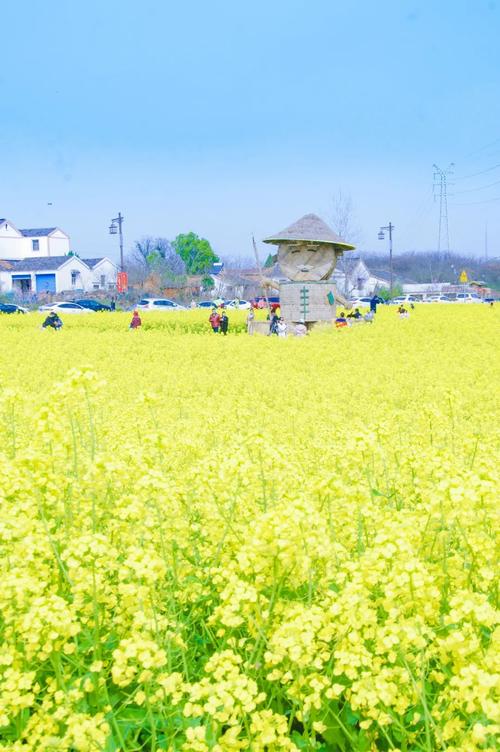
122,281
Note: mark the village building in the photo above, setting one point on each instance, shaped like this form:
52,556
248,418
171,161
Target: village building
39,261
354,279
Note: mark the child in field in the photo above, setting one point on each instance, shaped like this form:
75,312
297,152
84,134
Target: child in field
281,327
224,323
136,321
341,321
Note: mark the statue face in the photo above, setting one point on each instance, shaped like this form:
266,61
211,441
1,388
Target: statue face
301,262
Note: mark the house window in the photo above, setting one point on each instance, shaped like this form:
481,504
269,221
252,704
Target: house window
103,280
74,278
35,245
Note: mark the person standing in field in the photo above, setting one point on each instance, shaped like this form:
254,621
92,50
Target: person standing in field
273,328
214,320
250,320
224,323
136,322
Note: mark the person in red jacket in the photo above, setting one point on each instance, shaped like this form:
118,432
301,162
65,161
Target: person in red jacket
136,321
214,319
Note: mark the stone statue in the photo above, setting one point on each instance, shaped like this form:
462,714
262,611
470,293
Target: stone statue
307,253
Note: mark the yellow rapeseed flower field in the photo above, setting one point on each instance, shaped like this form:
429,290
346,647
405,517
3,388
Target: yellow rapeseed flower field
235,543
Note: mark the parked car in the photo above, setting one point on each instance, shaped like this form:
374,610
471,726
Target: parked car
159,304
206,304
360,302
468,297
402,299
437,299
12,308
94,305
237,303
65,307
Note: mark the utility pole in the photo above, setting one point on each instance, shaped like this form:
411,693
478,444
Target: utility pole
388,228
114,228
441,185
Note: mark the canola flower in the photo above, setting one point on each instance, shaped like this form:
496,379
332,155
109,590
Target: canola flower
235,543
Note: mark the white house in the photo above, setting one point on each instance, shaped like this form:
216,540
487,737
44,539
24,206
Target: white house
31,243
39,261
353,278
103,273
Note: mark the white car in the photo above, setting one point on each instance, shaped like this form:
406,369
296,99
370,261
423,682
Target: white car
402,299
438,299
65,307
468,297
360,303
237,303
159,304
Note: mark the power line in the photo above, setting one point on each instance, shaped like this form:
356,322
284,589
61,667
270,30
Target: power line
471,203
479,188
481,172
482,148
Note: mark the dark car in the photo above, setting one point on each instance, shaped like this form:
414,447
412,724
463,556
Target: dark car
11,308
94,305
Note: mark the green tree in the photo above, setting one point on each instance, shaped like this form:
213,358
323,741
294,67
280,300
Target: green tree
196,252
207,283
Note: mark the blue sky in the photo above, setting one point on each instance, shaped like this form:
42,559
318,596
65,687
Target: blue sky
231,118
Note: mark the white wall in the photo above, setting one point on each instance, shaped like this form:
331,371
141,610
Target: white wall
105,269
58,244
5,282
11,242
63,276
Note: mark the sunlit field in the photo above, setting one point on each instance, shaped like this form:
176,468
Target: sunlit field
249,543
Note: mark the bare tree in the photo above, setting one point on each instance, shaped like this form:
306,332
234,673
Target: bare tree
343,218
142,249
154,258
238,262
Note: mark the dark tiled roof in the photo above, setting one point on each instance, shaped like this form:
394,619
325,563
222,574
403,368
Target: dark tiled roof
37,232
48,263
4,264
92,262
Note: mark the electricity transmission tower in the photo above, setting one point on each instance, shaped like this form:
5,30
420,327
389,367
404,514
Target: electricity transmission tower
441,184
